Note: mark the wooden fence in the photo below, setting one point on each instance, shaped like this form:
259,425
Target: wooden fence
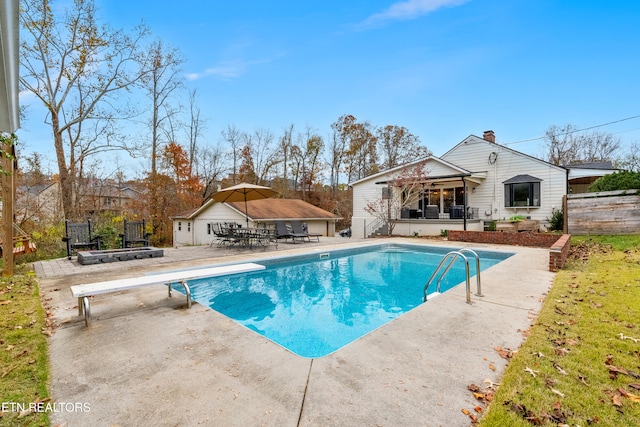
606,212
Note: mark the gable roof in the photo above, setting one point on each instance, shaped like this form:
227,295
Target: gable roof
268,209
272,209
456,170
519,179
477,139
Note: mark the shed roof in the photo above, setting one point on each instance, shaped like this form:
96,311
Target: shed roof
271,209
268,209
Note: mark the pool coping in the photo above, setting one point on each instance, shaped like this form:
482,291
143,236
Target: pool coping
149,360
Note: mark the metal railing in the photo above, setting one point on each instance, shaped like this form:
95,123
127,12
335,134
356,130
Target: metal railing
451,257
369,229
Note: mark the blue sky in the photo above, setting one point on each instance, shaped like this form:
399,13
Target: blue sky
444,69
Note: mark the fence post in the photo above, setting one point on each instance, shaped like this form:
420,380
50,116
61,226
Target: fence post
565,215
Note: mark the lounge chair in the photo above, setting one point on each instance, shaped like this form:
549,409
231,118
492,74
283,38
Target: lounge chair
299,229
283,232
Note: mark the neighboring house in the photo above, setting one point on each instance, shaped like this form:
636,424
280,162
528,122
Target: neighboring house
194,227
474,182
44,201
39,203
582,175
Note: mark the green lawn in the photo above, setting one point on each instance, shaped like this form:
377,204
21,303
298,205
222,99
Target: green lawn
580,365
24,368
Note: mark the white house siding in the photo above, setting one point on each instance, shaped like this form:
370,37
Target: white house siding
182,232
367,191
220,212
473,154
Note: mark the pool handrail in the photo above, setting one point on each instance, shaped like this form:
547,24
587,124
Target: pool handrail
451,256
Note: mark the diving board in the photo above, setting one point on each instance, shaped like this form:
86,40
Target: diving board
84,291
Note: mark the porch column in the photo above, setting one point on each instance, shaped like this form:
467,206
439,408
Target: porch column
464,203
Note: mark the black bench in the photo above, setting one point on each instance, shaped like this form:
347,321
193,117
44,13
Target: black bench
135,234
79,236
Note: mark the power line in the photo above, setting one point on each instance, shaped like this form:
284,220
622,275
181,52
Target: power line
575,131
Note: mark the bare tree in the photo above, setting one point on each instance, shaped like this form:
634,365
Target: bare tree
195,127
211,166
399,146
565,145
161,85
78,69
631,159
234,137
305,160
260,148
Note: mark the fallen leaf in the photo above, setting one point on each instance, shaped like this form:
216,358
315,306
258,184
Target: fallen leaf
492,367
491,385
531,371
616,400
479,396
559,368
558,392
473,387
465,411
478,409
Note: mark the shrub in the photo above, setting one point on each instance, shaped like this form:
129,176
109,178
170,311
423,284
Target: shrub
556,222
623,180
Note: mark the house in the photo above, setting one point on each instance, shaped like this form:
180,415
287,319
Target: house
475,182
194,227
582,175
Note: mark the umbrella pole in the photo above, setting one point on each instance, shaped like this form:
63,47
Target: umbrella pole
246,211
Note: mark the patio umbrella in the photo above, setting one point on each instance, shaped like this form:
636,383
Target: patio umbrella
243,192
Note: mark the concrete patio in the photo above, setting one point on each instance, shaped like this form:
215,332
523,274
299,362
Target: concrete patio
148,360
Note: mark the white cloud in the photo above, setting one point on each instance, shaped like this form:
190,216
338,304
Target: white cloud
405,10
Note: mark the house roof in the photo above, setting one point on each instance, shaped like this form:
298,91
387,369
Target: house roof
268,209
477,139
519,179
272,209
9,34
458,171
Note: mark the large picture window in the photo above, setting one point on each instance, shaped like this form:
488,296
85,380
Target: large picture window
522,191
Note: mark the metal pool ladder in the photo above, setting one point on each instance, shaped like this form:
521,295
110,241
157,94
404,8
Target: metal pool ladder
451,257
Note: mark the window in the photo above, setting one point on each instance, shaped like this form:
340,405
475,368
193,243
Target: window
522,191
208,228
189,226
179,226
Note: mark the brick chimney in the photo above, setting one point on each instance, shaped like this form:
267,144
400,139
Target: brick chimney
488,135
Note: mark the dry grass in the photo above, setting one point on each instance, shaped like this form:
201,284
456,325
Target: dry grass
580,365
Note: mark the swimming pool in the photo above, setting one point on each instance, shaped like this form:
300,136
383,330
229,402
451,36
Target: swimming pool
317,303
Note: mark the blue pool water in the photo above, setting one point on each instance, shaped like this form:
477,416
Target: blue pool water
316,304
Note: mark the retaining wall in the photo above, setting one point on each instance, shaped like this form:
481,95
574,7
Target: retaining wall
558,244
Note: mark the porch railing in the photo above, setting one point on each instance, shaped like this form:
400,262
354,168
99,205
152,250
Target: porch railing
371,228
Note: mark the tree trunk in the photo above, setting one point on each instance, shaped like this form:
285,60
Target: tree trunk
66,180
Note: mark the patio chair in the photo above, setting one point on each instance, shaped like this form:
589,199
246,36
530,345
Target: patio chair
300,229
283,232
135,234
80,236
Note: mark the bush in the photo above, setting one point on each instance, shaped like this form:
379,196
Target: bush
623,180
556,222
